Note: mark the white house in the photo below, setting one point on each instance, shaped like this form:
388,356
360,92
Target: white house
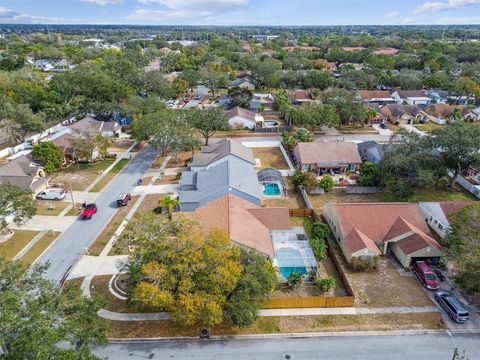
411,97
436,214
238,116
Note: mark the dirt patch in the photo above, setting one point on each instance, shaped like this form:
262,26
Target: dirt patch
120,145
158,162
339,196
293,200
270,157
286,324
167,179
79,176
180,160
384,287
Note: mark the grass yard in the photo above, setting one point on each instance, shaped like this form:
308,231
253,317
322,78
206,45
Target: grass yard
285,324
11,247
427,127
75,211
338,196
51,208
270,157
109,176
293,200
384,287
110,229
179,161
79,176
39,247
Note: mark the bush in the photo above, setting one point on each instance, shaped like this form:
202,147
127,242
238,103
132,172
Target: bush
319,248
295,280
327,183
320,230
49,154
363,264
325,284
369,174
297,178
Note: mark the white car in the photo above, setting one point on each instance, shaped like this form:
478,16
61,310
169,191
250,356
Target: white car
52,194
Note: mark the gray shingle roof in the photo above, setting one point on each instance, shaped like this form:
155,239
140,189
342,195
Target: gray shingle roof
221,149
224,177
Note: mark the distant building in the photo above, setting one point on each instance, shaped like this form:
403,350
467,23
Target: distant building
379,97
264,37
411,97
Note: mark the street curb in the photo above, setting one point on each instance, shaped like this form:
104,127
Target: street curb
297,335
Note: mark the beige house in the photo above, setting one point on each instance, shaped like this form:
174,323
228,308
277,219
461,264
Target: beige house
403,114
367,230
25,173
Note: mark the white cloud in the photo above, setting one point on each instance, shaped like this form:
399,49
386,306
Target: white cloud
191,11
391,15
441,5
458,20
13,17
408,20
104,2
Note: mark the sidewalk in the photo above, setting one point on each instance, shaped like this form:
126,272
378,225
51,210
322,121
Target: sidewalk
411,128
98,265
43,222
156,189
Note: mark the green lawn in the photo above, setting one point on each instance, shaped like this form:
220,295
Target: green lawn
429,126
98,166
436,194
39,248
79,176
17,242
51,208
109,176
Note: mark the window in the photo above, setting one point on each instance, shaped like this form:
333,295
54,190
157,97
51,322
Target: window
440,226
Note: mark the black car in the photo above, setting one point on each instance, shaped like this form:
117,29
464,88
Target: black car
452,306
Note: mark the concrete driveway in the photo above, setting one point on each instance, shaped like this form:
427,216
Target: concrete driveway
75,241
472,324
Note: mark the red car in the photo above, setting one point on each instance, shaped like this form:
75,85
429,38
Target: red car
123,199
88,211
425,275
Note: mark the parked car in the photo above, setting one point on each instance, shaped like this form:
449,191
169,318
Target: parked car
52,194
197,97
452,306
425,275
88,211
123,199
384,126
440,275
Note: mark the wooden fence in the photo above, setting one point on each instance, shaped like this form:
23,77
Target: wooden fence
311,301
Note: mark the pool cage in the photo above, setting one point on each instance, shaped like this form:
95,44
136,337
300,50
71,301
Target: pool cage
293,252
268,176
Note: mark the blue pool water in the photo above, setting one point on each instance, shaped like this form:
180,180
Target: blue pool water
271,189
286,271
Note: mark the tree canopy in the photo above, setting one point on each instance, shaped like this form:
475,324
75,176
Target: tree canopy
15,203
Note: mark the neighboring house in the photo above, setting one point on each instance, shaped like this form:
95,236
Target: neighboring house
90,124
300,48
403,114
438,96
240,116
436,214
154,65
299,96
261,100
226,167
377,117
411,97
367,230
65,140
327,156
247,224
244,82
442,113
371,151
264,37
25,173
475,114
386,51
473,174
379,97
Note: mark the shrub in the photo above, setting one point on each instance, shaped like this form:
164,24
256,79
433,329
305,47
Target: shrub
320,230
49,154
309,181
325,284
327,183
295,280
363,264
319,248
297,178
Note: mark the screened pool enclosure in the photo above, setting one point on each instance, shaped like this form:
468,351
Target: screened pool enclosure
272,182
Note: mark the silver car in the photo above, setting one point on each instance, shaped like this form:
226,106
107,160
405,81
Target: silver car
452,306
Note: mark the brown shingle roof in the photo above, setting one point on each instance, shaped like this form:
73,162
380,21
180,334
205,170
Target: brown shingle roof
246,223
238,111
327,153
373,94
356,241
386,51
298,95
443,110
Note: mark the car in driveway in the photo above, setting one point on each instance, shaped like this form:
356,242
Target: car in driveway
52,194
425,275
454,307
197,96
88,211
123,199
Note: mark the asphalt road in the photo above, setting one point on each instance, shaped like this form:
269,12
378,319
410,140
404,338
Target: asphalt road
74,242
357,347
200,90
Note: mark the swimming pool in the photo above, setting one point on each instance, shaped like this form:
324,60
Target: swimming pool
290,260
271,189
270,123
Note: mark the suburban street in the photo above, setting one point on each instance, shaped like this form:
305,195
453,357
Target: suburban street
349,346
200,90
74,242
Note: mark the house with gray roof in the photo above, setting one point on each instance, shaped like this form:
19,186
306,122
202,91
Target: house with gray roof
223,150
244,82
371,151
226,167
25,173
90,124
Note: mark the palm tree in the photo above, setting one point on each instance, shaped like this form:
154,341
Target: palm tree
169,202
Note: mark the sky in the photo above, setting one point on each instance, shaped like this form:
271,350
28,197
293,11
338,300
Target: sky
241,12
